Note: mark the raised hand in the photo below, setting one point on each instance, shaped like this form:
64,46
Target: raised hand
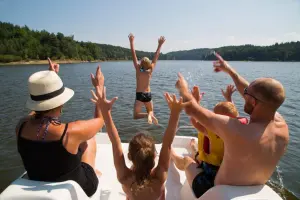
99,79
228,93
221,64
131,37
174,105
53,66
181,84
196,94
161,40
100,99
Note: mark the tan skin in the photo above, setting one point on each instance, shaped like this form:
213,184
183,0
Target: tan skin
143,81
251,151
79,134
188,163
125,175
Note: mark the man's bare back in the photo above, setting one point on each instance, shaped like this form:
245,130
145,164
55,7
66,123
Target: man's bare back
250,158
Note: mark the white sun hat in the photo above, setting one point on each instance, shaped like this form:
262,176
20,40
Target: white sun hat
47,91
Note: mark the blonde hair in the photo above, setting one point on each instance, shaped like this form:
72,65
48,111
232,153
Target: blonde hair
226,108
145,63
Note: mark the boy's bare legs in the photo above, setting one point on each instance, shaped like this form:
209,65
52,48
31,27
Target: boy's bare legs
137,112
151,117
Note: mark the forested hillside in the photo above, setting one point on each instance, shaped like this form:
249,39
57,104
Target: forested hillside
21,43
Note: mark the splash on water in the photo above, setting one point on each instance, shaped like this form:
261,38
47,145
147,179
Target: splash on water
278,183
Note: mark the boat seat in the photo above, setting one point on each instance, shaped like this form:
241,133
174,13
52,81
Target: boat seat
110,189
25,189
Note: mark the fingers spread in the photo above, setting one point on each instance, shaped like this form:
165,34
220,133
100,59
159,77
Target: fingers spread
168,98
186,104
92,77
94,101
113,100
174,97
104,92
180,100
223,92
94,95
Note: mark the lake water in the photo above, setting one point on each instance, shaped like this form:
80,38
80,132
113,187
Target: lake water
120,81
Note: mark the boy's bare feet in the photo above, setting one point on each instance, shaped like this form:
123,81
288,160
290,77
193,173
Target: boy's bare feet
152,118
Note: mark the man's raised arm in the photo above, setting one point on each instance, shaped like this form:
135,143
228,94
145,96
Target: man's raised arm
134,58
161,40
239,81
219,124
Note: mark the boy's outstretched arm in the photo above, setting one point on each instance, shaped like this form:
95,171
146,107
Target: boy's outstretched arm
134,58
161,40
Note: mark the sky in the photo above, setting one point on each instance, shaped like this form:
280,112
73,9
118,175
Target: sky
186,24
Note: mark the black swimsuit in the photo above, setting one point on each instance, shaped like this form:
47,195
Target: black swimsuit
144,96
49,161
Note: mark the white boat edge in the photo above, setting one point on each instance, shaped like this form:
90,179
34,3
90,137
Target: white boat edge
110,189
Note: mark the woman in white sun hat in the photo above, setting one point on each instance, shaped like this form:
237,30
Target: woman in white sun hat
52,151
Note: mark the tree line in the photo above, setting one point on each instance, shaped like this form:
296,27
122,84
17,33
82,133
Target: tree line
21,43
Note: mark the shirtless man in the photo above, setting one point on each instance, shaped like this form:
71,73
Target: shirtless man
144,71
251,151
207,156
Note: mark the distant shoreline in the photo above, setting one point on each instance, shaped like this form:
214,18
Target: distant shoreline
44,62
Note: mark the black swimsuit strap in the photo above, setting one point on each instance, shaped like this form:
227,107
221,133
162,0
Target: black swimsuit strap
20,129
64,133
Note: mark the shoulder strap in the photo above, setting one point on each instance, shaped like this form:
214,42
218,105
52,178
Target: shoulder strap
64,133
20,129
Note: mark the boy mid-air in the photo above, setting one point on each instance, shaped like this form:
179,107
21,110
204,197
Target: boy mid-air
144,71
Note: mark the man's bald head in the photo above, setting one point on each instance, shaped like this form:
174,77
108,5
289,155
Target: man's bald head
269,91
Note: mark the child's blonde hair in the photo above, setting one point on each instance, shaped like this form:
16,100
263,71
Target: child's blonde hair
145,63
226,108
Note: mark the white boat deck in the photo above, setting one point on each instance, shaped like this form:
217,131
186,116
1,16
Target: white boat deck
110,189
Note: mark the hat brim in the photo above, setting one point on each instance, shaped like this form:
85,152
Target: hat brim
50,103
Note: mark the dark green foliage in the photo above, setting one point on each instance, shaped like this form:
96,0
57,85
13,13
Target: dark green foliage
9,58
289,51
20,43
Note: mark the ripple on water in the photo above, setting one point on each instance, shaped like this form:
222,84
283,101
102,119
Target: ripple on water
120,81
